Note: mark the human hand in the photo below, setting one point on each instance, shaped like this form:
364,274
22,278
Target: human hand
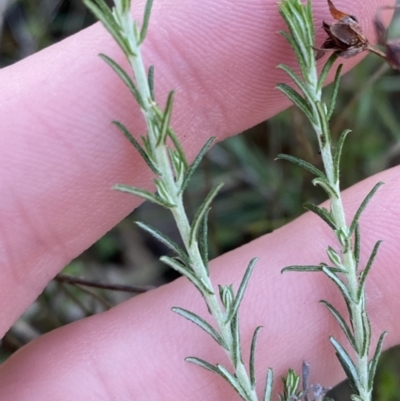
59,161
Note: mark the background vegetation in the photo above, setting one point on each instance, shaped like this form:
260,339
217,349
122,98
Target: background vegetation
259,195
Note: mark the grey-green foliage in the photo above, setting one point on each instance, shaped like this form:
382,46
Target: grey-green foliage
343,270
172,174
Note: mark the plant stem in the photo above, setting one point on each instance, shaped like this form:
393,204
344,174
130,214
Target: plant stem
163,164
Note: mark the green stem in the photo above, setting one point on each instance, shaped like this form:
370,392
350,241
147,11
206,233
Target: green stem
357,309
163,164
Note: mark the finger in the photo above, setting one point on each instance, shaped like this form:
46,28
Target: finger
60,156
137,350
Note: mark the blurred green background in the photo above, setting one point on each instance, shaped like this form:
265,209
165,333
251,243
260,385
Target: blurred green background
259,195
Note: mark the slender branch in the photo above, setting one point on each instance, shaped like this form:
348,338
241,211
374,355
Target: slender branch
68,279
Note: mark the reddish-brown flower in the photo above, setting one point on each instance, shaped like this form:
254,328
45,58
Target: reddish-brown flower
344,36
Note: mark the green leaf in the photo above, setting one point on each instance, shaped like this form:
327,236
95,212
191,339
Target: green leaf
325,136
166,120
198,218
125,79
363,206
202,363
297,80
357,245
299,55
297,100
334,257
325,70
201,323
296,32
196,163
150,80
252,358
241,289
203,240
233,381
226,295
302,268
323,213
335,91
338,155
373,363
143,194
268,385
302,163
164,239
137,146
146,20
172,135
366,334
125,5
343,289
310,268
188,273
342,323
347,364
364,273
236,350
324,184
103,13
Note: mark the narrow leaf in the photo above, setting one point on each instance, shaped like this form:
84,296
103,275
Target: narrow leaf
236,347
325,70
347,364
166,120
188,273
364,273
374,361
137,146
241,289
203,364
203,240
146,20
143,194
103,13
357,245
201,323
195,163
324,184
323,213
297,80
363,206
297,100
252,358
198,218
172,135
232,380
366,334
164,239
299,55
150,80
125,79
302,163
342,323
343,289
338,155
302,268
268,385
310,268
323,121
335,91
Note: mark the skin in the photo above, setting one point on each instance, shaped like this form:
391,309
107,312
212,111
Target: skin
59,158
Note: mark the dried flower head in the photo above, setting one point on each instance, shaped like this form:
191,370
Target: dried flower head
344,36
